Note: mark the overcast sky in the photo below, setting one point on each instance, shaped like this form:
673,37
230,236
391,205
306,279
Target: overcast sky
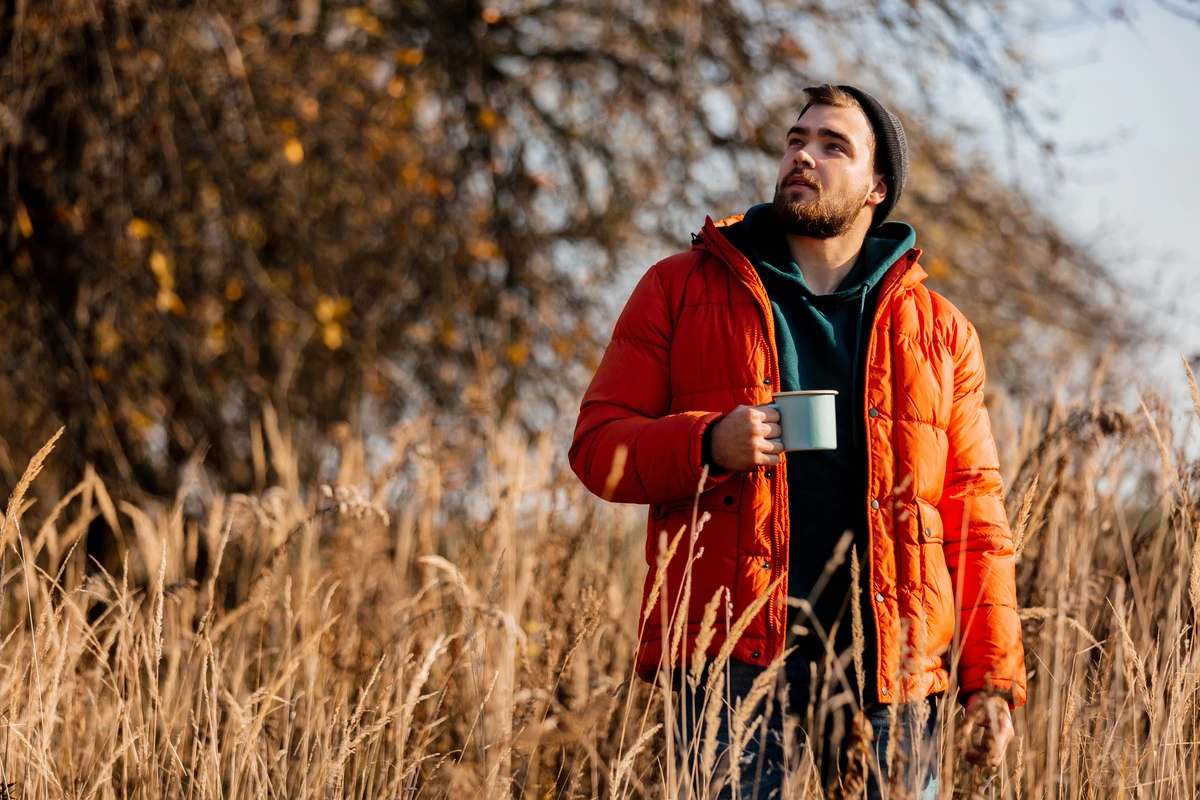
1129,106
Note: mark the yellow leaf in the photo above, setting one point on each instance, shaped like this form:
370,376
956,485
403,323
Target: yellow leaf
329,310
293,151
483,249
139,228
108,341
518,353
409,56
331,335
487,119
233,290
938,267
23,221
161,268
167,300
564,348
491,15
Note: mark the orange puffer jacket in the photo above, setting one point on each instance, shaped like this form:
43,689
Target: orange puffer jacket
697,339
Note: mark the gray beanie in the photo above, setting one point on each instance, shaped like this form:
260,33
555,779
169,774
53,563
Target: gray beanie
891,148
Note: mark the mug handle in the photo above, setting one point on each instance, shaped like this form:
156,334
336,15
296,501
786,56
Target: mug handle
776,407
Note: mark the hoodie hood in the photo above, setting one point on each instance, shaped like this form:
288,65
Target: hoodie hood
761,240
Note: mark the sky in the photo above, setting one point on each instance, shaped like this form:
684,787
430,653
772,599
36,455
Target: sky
1128,110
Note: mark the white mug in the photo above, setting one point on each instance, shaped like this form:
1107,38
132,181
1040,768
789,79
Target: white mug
808,419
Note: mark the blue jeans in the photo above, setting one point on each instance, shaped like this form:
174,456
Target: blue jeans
914,768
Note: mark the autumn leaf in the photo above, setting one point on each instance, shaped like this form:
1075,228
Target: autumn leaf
330,310
409,57
517,353
483,249
23,221
331,335
161,268
293,151
139,228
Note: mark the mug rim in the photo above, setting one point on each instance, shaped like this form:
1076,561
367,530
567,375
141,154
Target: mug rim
800,392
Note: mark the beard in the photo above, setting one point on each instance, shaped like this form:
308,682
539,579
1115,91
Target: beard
821,217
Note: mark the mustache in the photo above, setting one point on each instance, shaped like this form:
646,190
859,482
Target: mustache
804,176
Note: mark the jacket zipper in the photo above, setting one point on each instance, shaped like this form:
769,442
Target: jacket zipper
776,481
884,297
776,498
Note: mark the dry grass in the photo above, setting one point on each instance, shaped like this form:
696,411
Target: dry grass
475,637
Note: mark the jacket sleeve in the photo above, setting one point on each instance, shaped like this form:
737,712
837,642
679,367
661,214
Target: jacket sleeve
626,447
977,540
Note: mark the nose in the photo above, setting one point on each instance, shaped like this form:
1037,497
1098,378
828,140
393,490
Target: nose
803,157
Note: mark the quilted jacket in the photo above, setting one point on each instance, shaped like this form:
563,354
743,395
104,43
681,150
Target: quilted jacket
694,341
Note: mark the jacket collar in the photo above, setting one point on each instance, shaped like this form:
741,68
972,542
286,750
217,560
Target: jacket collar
906,272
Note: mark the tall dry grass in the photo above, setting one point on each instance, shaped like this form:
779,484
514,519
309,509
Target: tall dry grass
473,635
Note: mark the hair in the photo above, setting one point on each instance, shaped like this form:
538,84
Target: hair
829,95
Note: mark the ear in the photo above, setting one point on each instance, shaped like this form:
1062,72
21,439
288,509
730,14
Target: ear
878,192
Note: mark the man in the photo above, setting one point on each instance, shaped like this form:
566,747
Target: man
814,291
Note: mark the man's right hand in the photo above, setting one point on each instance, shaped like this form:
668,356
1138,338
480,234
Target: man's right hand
740,438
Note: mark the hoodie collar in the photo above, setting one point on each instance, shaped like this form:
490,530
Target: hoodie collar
761,239
905,272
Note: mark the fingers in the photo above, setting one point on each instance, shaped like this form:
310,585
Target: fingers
770,446
985,733
1003,735
769,414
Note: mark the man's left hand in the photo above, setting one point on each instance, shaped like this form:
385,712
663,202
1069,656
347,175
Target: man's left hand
987,714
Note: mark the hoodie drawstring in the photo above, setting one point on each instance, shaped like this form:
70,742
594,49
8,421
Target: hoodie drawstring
862,310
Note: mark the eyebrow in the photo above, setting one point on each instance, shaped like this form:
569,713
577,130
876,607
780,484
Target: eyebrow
827,133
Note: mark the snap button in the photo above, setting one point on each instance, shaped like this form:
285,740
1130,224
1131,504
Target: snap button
883,691
770,473
756,654
928,534
874,412
878,597
766,565
728,500
766,381
875,504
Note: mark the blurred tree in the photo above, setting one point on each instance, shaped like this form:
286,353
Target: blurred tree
345,209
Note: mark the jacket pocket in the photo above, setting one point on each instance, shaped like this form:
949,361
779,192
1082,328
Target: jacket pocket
720,502
723,497
937,588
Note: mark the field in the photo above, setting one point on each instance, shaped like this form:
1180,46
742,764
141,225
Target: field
461,623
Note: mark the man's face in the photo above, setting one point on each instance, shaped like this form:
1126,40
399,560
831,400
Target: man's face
827,178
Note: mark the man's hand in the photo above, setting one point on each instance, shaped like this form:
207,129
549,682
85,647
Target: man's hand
986,729
739,440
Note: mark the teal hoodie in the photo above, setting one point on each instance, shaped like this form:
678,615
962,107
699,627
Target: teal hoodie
821,341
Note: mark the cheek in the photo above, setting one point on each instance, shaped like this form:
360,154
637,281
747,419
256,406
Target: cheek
785,167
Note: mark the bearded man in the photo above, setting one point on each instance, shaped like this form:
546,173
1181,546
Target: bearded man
814,291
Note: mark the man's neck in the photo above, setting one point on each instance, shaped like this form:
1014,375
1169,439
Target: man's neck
826,262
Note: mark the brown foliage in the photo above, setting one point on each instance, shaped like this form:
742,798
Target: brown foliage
367,211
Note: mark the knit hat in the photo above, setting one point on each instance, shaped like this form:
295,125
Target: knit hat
891,148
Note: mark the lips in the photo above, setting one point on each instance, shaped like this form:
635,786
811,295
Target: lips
800,180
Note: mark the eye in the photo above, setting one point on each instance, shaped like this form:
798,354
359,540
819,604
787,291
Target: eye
836,146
